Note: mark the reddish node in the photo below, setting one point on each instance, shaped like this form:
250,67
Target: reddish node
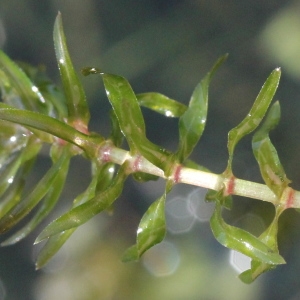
290,199
176,175
105,153
230,186
136,166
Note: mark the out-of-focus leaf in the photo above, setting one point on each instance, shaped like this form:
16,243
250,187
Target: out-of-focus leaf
266,154
84,212
144,177
53,96
131,121
26,205
255,115
101,179
75,96
14,194
131,254
192,122
48,204
161,104
30,96
241,240
8,172
151,230
269,237
46,124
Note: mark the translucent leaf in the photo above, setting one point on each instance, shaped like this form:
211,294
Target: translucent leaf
254,117
27,204
52,94
29,94
241,240
151,230
161,104
9,171
84,212
47,206
75,96
266,154
269,237
12,196
192,122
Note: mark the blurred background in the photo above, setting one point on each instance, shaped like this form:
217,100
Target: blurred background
167,47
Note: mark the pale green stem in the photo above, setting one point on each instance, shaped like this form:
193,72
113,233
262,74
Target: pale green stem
205,179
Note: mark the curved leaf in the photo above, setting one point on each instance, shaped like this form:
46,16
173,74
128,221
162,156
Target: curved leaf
75,96
269,237
26,205
9,171
255,115
84,212
161,104
30,96
241,240
45,124
192,122
46,207
131,121
266,154
101,179
151,230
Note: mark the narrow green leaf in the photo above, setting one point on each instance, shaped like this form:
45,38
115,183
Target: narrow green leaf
152,227
131,121
161,104
30,96
54,98
255,115
192,122
116,134
131,254
241,240
266,154
8,173
101,179
126,107
46,207
12,196
75,96
84,212
45,124
151,230
269,237
27,204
